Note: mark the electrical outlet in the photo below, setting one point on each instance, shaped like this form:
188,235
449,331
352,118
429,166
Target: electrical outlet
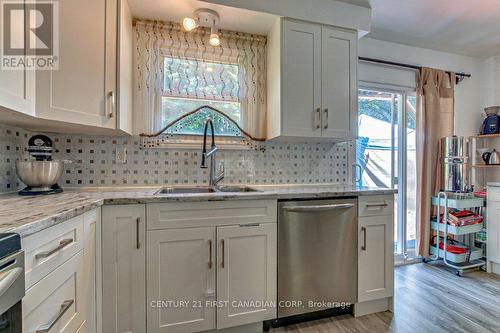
121,155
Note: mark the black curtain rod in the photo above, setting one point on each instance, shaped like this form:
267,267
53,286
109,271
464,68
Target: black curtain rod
459,76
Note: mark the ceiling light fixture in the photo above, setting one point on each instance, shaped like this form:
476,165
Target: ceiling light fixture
189,23
204,17
214,36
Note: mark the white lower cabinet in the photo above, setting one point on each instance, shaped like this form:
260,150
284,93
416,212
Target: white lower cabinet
210,276
493,228
181,269
123,269
246,274
376,260
375,254
56,302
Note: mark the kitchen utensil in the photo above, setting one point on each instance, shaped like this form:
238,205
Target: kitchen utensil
491,125
492,157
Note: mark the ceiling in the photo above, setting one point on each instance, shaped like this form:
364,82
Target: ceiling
233,19
458,26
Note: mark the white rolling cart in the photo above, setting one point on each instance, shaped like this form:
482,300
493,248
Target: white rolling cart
460,262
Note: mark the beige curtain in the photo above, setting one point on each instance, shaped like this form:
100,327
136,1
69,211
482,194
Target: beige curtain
172,62
435,119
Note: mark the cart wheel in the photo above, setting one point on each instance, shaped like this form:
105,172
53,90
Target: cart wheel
424,260
459,273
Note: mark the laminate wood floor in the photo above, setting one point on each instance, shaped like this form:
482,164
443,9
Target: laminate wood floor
429,298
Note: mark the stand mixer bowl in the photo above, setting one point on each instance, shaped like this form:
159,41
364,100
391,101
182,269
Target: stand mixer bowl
41,175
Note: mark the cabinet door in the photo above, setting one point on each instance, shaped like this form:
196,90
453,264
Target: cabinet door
493,214
246,274
376,258
76,91
123,269
92,222
17,86
339,83
301,79
181,269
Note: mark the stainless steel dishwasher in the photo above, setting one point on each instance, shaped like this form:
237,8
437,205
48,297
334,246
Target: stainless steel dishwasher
317,255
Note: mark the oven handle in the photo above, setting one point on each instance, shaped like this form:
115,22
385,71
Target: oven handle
8,278
317,208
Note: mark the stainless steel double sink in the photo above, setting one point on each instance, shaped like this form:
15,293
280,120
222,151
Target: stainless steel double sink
205,189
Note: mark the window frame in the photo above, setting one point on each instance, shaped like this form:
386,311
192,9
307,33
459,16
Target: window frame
186,141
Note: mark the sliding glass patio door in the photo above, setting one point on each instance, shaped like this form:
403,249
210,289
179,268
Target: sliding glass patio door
386,155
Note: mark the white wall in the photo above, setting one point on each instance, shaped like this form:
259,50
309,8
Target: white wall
471,95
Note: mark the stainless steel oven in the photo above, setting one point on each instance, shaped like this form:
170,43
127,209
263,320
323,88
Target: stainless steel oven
11,283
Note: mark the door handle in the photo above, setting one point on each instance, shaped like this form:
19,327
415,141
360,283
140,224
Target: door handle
357,167
111,106
137,229
325,121
62,244
363,247
317,208
64,307
222,264
209,254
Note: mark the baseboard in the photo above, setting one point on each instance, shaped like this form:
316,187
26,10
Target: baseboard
378,305
495,268
249,328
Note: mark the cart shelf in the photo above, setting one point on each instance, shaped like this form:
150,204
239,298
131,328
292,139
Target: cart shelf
476,253
457,231
459,203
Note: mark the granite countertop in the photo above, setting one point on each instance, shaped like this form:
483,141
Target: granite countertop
30,214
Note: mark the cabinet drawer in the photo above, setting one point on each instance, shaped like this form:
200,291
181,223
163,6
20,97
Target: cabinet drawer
200,214
51,247
376,205
55,301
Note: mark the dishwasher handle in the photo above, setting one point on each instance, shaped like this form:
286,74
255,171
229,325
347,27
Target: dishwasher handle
317,208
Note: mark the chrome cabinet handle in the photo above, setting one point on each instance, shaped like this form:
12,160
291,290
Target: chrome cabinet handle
325,121
62,244
363,247
317,208
223,255
137,229
111,111
378,204
318,118
209,254
64,307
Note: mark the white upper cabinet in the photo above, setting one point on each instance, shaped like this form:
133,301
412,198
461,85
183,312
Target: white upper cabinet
301,86
83,90
312,81
339,90
75,92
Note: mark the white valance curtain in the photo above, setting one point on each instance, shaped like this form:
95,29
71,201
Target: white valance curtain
176,63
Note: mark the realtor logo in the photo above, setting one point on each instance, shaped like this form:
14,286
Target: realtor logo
30,34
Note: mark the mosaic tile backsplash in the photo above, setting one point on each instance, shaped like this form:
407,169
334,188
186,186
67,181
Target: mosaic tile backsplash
94,162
